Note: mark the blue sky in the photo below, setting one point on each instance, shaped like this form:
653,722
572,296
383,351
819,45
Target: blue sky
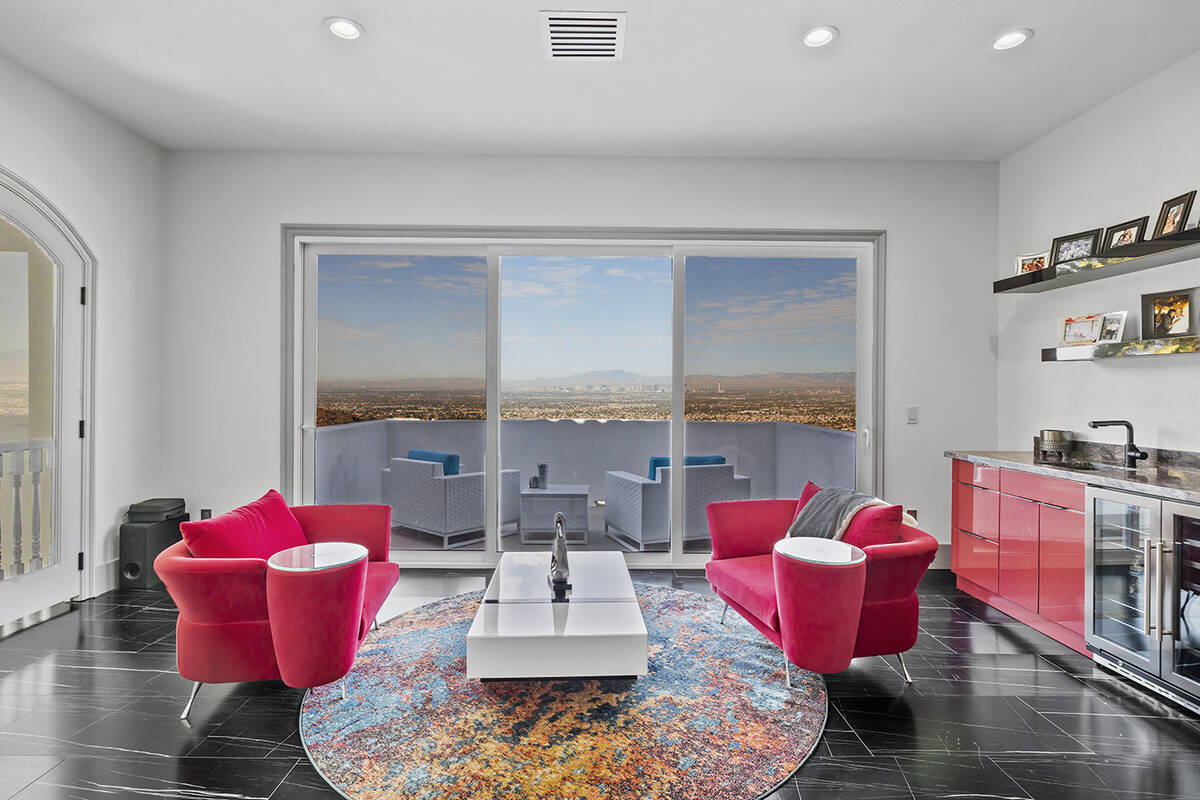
754,315
564,315
393,317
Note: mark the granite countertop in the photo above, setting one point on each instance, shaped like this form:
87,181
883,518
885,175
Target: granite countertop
1168,481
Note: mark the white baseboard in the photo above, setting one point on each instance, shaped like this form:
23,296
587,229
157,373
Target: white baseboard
105,578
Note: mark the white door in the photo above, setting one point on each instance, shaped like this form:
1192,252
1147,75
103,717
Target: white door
43,267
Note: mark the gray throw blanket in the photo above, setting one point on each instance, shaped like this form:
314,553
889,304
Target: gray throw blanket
828,513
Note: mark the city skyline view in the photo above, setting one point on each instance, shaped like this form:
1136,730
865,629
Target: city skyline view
587,337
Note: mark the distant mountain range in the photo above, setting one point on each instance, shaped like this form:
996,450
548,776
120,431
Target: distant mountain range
616,377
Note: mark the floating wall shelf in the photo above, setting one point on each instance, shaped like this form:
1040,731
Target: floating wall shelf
1170,346
1130,258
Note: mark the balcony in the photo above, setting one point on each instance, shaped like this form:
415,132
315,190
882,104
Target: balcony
765,459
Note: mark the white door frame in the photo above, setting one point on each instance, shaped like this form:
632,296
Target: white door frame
298,431
71,574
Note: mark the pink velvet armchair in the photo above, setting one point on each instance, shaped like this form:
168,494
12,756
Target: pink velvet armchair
742,573
223,633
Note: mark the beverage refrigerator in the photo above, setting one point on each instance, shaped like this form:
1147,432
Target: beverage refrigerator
1141,615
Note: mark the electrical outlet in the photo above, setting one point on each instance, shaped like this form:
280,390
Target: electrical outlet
911,415
912,512
206,513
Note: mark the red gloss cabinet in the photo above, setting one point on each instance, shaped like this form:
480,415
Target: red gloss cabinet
976,510
1017,544
975,559
1019,551
1060,567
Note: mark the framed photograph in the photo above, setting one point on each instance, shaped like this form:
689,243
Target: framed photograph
1078,245
1112,327
1168,314
1130,232
1174,214
1083,329
1032,262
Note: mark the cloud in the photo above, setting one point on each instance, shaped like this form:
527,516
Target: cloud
334,333
377,262
453,284
518,339
370,280
473,338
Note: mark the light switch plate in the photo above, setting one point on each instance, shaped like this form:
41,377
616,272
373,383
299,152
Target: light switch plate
911,415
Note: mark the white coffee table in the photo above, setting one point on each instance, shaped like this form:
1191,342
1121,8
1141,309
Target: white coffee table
519,632
538,507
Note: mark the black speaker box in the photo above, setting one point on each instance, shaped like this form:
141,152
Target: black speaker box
141,542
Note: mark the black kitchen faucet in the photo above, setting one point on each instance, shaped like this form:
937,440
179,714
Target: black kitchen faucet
1133,454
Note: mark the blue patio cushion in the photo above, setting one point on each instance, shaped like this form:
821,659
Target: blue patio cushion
688,461
449,461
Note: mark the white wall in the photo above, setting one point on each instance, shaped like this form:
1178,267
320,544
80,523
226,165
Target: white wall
222,392
1114,163
108,182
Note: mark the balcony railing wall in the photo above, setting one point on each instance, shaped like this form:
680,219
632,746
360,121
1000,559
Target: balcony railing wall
777,456
26,496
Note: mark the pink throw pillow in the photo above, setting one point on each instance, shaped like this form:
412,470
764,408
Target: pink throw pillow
256,530
874,525
810,489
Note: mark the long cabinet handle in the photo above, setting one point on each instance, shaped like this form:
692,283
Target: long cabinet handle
1162,586
1147,562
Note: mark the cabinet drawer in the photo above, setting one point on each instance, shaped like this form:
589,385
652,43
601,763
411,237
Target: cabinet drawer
976,510
976,475
1060,567
1055,491
976,559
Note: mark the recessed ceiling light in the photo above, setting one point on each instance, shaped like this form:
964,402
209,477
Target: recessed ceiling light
344,28
1014,38
820,35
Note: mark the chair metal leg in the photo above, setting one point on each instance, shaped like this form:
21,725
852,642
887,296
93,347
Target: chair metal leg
375,623
787,671
343,688
907,677
724,612
188,708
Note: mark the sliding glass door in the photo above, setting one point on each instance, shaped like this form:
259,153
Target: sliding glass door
480,387
585,399
400,410
770,377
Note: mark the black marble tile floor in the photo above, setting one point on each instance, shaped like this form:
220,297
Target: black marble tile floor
89,706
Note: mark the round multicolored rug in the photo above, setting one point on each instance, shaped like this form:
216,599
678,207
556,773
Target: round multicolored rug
713,719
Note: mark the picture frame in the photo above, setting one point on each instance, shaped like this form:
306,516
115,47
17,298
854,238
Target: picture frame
1173,216
1169,314
1081,329
1112,327
1125,234
1033,262
1084,244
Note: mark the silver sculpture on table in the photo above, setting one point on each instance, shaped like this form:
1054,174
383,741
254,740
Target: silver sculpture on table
560,569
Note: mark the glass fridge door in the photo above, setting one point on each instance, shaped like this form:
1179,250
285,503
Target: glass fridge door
1123,541
1179,602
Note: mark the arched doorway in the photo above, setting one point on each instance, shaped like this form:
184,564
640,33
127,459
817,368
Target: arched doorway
44,402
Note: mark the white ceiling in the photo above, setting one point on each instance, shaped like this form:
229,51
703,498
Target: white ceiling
906,79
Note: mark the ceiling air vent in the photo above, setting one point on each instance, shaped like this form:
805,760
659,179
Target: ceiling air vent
584,35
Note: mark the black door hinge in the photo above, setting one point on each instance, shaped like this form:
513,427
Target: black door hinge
83,295
81,562
81,429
